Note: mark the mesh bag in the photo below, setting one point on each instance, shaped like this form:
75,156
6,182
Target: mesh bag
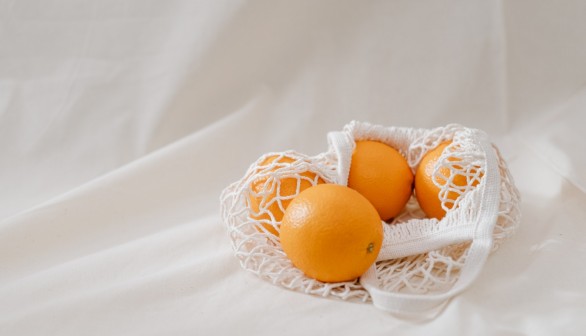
423,261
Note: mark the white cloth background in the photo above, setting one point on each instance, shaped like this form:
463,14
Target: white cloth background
121,122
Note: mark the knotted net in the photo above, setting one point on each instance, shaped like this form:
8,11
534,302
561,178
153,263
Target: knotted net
420,257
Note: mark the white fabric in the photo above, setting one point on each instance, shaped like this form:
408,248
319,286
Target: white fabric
121,122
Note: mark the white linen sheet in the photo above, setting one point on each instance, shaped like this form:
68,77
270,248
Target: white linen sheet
122,121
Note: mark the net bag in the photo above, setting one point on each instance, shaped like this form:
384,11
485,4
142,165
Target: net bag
423,262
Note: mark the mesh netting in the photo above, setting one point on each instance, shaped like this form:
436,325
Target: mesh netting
253,206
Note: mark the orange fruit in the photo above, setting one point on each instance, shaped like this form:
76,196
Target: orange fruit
271,195
381,174
331,233
428,194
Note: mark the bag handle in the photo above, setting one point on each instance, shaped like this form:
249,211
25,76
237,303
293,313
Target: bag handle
343,145
417,305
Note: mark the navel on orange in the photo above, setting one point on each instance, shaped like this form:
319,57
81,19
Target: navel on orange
428,193
331,233
381,174
271,195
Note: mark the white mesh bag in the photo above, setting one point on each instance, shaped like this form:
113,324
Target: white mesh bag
423,261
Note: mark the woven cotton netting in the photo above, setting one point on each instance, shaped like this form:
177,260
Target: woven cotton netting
252,208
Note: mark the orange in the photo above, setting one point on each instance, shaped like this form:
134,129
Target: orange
331,233
272,195
381,174
427,193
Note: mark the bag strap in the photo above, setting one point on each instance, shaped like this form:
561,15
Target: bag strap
343,145
418,305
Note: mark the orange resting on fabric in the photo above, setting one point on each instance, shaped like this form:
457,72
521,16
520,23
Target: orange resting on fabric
381,174
427,193
274,195
332,233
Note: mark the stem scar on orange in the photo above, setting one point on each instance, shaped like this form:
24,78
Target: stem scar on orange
382,175
429,195
332,233
271,194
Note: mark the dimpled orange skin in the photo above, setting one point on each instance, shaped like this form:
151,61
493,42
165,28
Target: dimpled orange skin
381,174
426,192
288,188
331,233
